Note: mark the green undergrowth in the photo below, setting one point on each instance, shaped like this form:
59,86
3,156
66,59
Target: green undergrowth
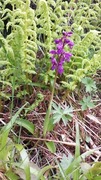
32,35
27,33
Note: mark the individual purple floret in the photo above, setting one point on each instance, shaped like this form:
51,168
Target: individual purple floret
54,63
59,56
69,34
69,42
60,69
67,56
57,41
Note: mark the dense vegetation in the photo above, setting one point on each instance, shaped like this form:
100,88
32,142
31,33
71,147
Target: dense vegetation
50,67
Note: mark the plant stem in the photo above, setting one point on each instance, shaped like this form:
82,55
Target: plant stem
46,122
53,89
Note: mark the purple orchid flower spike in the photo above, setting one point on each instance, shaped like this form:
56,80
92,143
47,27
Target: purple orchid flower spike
59,56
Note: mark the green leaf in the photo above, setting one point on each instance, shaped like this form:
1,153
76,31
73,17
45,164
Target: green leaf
6,129
50,125
65,119
85,167
96,169
76,163
25,160
66,161
68,110
63,176
89,83
57,109
26,124
56,118
43,170
51,146
11,175
13,120
86,103
64,114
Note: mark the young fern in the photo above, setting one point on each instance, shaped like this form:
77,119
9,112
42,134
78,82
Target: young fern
43,25
20,47
82,65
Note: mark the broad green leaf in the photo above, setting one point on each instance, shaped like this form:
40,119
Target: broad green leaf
86,103
51,146
64,114
11,175
26,124
50,125
25,160
6,148
89,83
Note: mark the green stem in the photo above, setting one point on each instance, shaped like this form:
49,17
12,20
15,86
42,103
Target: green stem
47,117
53,89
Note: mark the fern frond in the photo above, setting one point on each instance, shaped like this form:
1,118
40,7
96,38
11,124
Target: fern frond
20,46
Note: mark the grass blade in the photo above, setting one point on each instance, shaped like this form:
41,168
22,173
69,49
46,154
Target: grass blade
26,124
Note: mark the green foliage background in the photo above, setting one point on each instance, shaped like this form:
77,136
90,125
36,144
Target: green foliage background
24,52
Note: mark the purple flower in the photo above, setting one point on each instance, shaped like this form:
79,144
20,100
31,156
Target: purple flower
59,56
66,41
54,63
53,51
69,34
53,60
60,48
67,56
69,42
62,60
60,69
57,41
